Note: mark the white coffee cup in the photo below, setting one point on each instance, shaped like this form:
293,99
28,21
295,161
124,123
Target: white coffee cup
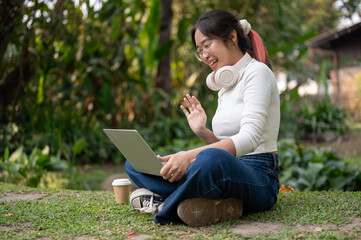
121,190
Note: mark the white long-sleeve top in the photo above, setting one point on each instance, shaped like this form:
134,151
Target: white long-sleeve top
249,112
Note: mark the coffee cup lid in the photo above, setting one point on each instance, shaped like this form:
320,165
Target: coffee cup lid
121,182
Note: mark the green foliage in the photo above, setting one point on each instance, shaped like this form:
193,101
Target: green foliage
18,167
178,145
324,117
65,75
313,169
290,101
78,146
320,115
310,116
70,139
170,129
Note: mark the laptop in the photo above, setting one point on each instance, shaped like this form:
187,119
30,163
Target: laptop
136,150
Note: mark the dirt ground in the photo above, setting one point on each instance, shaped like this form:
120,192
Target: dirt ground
20,196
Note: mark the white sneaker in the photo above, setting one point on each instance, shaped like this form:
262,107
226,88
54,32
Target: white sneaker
146,201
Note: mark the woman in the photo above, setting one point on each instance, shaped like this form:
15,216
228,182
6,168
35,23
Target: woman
237,171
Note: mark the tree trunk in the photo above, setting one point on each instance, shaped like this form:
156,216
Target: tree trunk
10,17
163,80
12,82
10,13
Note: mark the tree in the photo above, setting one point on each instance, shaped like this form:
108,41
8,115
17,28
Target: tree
17,71
163,80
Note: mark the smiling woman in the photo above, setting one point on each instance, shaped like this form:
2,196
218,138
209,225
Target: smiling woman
232,32
237,170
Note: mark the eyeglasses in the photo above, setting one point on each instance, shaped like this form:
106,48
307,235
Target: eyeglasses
201,52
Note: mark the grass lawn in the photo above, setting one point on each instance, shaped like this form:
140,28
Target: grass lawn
28,213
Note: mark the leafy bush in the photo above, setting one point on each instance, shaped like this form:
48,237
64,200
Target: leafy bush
290,105
321,118
71,140
28,169
162,132
313,169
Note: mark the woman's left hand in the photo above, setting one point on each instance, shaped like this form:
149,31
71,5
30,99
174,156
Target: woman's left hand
196,116
176,167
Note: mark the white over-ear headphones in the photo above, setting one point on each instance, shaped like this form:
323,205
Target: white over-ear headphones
227,76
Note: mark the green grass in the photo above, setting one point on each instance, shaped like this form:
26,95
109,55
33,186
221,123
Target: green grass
68,214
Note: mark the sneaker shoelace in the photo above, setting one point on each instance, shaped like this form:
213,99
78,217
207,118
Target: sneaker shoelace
148,206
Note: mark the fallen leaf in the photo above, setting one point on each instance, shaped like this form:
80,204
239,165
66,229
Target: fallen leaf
299,236
284,189
131,233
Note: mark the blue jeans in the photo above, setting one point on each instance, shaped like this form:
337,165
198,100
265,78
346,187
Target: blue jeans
216,174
